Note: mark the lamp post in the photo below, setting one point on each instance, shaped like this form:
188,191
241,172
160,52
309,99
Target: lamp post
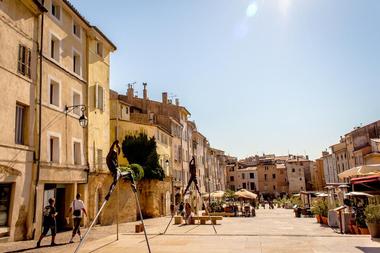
209,190
83,121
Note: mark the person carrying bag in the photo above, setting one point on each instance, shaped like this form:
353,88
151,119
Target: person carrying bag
77,207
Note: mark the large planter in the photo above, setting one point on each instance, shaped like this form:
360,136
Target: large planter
374,229
318,217
351,228
324,220
356,229
297,213
364,231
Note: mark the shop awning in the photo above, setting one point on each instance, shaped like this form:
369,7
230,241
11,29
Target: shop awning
368,179
364,170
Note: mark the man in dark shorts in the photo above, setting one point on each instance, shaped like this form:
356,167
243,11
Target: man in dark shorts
49,222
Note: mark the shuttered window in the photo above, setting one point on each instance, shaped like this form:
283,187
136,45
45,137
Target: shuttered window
20,122
99,97
24,58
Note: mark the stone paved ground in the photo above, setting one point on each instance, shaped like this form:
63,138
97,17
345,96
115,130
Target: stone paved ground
271,231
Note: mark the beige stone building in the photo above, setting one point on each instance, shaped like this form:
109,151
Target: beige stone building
340,157
318,177
296,176
19,39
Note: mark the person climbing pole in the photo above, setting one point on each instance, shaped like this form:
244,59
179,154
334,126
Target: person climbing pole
193,176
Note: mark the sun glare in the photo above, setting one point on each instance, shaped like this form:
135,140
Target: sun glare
252,9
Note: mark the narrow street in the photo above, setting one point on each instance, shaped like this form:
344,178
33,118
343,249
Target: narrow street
270,231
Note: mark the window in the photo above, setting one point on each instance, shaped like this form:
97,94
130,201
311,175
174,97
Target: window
24,57
77,63
274,176
251,175
99,97
265,177
99,48
126,110
232,187
54,92
242,175
99,153
293,170
76,30
20,124
274,187
244,185
300,178
232,178
253,186
76,101
77,153
54,149
5,199
55,48
56,10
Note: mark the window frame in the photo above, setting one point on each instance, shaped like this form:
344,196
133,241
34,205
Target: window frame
55,18
73,92
51,134
73,52
74,23
57,38
23,124
51,78
73,141
27,56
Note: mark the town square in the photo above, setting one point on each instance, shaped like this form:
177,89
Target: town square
189,126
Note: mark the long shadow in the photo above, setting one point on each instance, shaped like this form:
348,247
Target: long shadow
34,248
103,246
369,249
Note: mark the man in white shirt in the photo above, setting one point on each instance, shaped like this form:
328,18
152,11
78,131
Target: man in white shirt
76,208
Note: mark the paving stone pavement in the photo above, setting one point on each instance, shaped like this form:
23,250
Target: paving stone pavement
271,231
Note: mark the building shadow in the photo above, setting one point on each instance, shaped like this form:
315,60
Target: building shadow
35,248
369,249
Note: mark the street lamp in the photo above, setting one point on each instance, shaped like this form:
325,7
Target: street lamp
83,121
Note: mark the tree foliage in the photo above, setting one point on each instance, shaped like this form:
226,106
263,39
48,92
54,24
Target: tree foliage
140,149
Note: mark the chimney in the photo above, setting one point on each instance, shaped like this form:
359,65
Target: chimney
307,157
177,101
130,92
164,97
145,91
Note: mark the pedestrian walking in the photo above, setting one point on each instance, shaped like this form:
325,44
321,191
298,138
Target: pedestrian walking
49,222
77,208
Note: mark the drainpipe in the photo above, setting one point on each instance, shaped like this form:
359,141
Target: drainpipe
39,118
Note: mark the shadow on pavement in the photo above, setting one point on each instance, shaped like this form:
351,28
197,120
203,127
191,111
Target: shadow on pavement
34,248
103,246
369,249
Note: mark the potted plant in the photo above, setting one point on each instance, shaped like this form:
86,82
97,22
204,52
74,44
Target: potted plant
372,214
319,209
360,221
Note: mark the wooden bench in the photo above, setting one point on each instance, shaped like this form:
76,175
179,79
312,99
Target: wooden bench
178,220
203,219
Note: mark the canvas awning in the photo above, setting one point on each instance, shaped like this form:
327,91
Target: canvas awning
358,194
243,193
364,170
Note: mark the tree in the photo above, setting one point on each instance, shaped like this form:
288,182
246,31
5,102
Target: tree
142,150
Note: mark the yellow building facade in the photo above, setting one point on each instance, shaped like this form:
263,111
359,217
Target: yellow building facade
18,81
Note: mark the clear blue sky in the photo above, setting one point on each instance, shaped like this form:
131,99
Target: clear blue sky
258,76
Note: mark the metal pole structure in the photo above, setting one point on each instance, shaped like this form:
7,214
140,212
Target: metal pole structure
141,216
117,215
112,188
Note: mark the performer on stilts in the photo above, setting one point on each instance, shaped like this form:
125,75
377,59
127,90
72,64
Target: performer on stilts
128,175
193,178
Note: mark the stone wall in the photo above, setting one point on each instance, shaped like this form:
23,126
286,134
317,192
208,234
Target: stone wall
155,197
98,188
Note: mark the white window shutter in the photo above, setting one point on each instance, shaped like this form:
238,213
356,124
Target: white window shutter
96,95
104,99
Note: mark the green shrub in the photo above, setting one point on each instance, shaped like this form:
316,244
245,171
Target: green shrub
372,213
319,207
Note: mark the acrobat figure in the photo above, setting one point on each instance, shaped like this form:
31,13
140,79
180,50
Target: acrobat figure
193,176
113,166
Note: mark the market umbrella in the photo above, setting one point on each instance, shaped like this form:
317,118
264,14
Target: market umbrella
243,193
363,170
217,194
358,194
322,195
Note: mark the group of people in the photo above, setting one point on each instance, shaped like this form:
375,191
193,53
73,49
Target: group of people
76,210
